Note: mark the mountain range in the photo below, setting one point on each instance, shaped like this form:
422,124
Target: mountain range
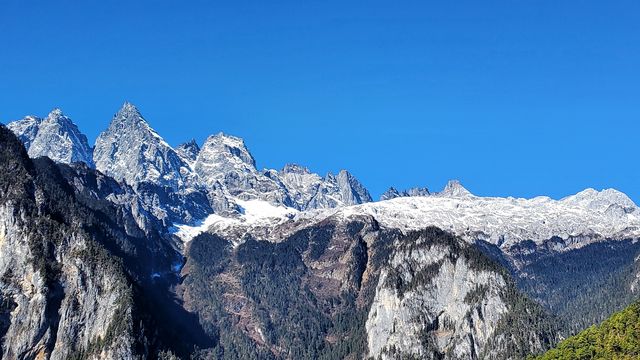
134,249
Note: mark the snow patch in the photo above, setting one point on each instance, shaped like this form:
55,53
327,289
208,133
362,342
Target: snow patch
187,232
253,212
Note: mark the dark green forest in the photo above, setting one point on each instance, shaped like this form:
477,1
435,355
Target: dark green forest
616,338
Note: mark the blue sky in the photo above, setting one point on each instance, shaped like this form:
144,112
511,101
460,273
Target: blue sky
517,98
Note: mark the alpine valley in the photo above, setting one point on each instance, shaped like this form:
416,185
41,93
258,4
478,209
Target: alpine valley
134,249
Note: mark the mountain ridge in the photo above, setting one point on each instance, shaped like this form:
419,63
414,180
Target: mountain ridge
437,275
222,169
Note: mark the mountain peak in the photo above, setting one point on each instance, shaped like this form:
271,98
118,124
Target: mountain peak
417,191
57,116
391,193
353,192
129,107
130,149
228,147
191,144
56,112
221,155
228,140
128,113
26,129
454,189
603,200
56,137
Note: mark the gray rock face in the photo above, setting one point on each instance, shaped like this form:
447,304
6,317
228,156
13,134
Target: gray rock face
56,137
189,151
436,299
301,184
132,151
57,301
341,190
26,129
78,275
311,191
92,303
397,321
226,160
351,190
418,191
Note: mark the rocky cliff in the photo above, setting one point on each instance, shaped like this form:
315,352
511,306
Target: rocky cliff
77,271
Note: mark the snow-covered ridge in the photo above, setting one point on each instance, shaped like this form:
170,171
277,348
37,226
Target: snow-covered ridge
590,215
506,221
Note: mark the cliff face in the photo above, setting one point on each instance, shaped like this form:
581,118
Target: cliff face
440,298
64,296
62,293
78,277
424,306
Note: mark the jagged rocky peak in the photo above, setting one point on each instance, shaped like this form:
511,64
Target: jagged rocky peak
26,129
189,151
352,191
225,160
301,184
55,136
339,190
418,191
228,148
454,189
221,156
393,193
129,149
295,169
309,190
129,112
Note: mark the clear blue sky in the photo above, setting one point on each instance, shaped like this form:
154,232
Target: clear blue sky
512,97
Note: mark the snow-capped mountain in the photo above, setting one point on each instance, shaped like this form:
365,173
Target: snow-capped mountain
189,183
506,221
223,170
129,149
428,275
55,136
587,216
